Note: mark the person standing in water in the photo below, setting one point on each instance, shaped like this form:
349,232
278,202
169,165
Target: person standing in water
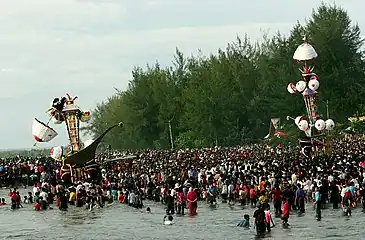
276,197
300,199
268,218
192,201
170,203
285,212
63,201
317,204
362,194
259,219
335,193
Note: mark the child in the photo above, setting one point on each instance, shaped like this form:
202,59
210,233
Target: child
169,220
30,197
37,206
121,197
245,222
285,212
268,219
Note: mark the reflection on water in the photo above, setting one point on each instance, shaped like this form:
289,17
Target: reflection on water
121,222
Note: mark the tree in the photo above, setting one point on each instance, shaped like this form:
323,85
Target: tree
229,97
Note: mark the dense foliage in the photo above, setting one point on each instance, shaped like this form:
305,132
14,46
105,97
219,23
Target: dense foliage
228,98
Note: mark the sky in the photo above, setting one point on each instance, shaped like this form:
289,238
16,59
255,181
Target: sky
89,47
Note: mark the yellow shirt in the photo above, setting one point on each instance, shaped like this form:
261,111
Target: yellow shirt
72,196
262,199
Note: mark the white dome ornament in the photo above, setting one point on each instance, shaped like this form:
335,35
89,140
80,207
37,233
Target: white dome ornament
300,86
56,153
330,124
313,84
291,88
320,125
303,125
305,52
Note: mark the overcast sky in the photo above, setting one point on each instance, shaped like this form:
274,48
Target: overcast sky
88,47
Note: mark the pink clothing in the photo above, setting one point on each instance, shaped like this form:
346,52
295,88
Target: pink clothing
180,197
267,216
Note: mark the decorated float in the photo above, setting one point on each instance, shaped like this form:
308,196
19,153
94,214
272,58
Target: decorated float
78,158
311,124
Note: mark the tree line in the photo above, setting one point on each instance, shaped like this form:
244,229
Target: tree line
229,97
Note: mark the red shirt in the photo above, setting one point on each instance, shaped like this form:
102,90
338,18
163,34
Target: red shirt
58,202
13,197
276,194
348,194
286,209
252,193
121,198
37,207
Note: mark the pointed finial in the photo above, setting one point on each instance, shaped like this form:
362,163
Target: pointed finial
304,38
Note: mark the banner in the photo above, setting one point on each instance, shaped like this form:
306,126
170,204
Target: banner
275,122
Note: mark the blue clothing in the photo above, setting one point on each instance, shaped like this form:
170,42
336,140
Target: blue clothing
114,192
317,197
352,190
244,223
299,193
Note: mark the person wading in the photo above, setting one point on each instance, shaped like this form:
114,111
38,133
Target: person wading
259,219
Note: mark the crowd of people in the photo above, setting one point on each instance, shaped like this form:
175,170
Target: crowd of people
252,175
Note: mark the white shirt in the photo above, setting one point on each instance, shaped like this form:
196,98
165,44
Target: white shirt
78,188
132,197
343,191
294,178
87,186
44,195
173,192
306,185
35,190
224,189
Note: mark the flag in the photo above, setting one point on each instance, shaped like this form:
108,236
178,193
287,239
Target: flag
275,122
274,125
306,147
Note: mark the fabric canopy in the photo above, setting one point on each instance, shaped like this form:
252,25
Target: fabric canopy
41,132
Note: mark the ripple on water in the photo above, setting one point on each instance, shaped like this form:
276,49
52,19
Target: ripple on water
121,222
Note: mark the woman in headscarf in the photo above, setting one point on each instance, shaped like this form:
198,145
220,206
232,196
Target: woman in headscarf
192,201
